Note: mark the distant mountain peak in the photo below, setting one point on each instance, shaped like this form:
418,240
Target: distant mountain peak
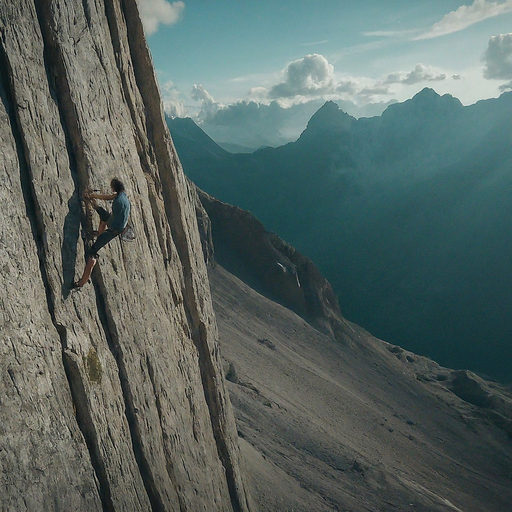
330,117
329,106
429,95
201,144
427,92
426,103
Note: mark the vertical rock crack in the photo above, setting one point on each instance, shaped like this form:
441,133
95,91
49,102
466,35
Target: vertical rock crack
34,216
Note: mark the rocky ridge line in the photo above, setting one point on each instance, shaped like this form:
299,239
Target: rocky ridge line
238,241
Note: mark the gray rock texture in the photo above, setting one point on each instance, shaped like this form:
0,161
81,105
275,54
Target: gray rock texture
111,397
363,426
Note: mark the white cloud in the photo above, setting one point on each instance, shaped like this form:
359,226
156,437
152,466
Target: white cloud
309,76
419,74
174,105
199,93
362,90
376,90
258,93
315,43
349,86
466,16
390,33
498,58
314,77
209,107
156,12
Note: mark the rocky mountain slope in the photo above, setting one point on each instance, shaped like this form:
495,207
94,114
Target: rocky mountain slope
330,417
406,214
360,426
244,247
111,398
339,420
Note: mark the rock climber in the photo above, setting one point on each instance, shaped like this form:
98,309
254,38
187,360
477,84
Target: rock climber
111,224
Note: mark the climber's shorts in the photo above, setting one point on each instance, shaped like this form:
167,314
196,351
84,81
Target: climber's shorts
104,214
103,239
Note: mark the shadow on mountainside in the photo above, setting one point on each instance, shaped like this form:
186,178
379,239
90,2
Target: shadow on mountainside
407,215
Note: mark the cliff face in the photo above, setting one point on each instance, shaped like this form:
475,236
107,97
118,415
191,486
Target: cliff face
111,398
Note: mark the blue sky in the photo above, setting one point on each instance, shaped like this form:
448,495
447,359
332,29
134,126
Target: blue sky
212,53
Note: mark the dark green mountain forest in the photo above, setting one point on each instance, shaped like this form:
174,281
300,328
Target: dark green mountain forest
409,216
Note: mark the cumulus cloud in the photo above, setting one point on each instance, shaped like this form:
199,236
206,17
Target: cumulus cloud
361,90
498,58
467,15
199,93
419,74
174,105
309,76
376,90
156,12
349,86
209,107
313,77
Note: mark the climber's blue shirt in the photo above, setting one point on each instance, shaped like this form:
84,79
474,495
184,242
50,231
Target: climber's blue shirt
120,213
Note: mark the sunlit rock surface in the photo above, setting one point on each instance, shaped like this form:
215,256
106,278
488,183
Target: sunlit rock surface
112,397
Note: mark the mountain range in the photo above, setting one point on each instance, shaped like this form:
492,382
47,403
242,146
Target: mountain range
248,126
168,383
407,214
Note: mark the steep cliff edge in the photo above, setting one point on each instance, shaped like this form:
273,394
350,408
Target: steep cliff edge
112,398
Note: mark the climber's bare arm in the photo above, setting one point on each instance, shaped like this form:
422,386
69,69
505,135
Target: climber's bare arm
102,197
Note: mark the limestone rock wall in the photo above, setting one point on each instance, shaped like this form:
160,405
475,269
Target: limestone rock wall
111,398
